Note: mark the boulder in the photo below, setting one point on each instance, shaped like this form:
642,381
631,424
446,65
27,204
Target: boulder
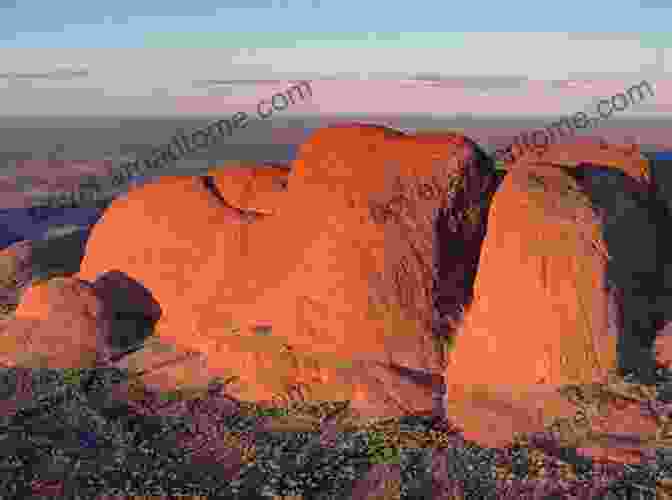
28,261
16,271
543,237
581,311
164,367
60,323
338,269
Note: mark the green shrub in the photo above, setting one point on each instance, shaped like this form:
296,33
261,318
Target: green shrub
72,376
378,449
274,412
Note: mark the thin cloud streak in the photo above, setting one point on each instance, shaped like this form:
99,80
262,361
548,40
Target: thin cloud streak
59,74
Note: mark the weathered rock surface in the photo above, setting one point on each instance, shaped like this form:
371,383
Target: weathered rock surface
492,417
60,323
624,428
624,157
247,187
29,261
584,304
216,274
164,367
544,238
636,208
342,271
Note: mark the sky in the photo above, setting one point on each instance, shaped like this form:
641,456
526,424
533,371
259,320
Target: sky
437,57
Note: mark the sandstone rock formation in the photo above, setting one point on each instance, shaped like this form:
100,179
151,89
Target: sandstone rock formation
164,367
255,188
341,272
544,240
624,429
58,324
560,231
29,261
492,418
328,283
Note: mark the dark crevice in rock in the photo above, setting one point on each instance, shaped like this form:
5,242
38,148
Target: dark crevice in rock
458,245
245,215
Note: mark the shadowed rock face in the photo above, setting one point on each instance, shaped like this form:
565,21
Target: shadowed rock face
132,310
341,267
634,227
661,169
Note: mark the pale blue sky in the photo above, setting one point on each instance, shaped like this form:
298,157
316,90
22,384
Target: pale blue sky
278,23
135,57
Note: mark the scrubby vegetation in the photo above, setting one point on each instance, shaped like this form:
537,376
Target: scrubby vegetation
67,429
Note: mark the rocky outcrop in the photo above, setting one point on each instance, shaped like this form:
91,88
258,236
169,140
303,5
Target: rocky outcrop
60,323
30,261
543,237
331,282
342,271
586,302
